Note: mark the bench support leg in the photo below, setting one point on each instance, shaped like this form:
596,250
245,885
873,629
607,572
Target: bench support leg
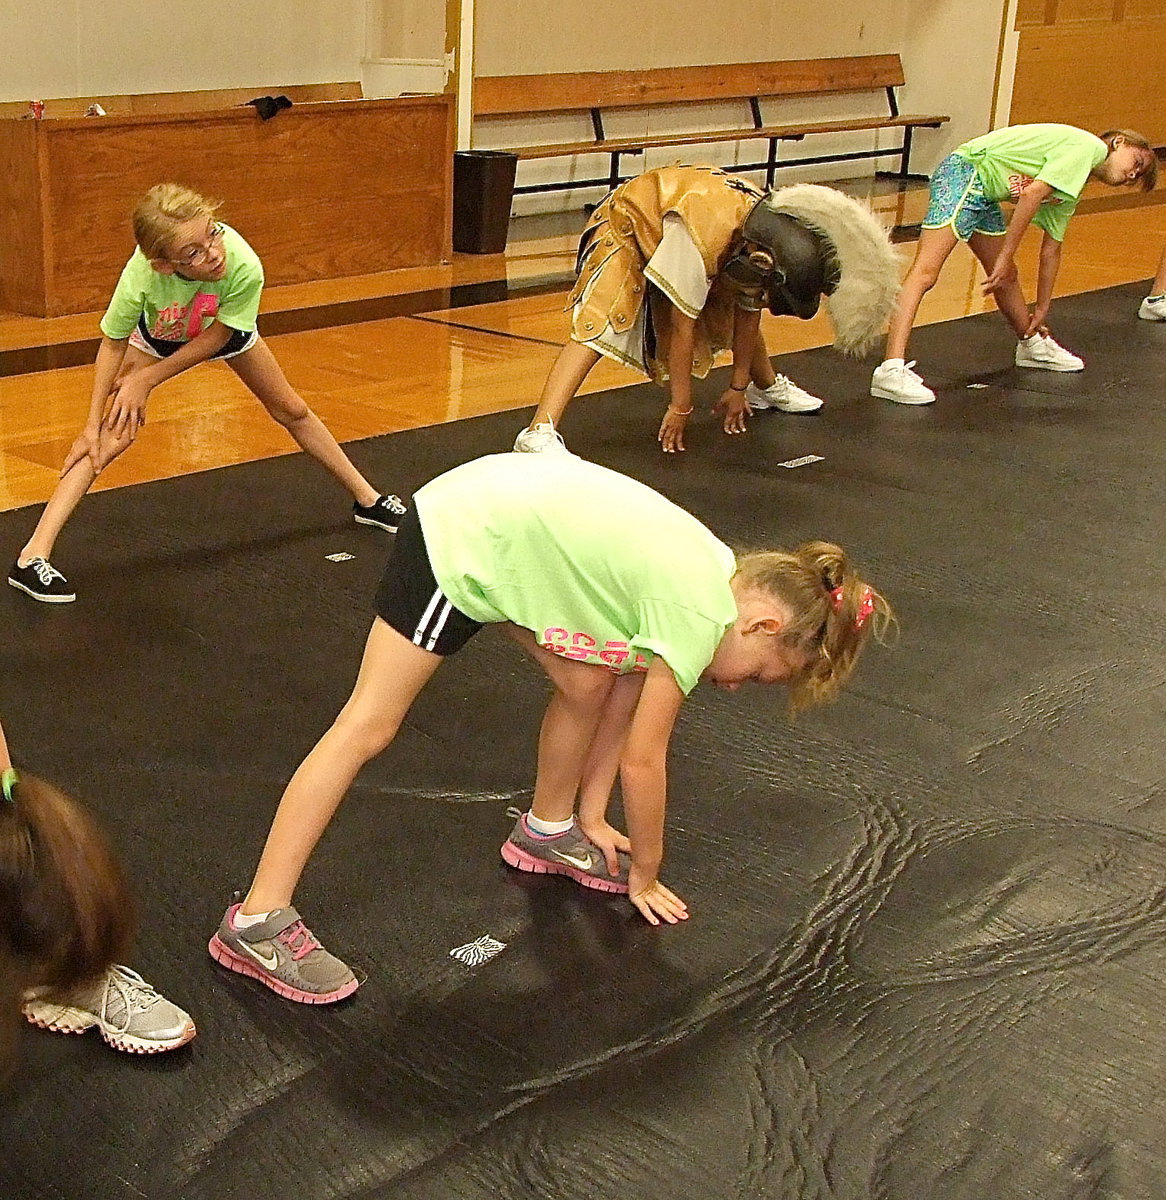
613,179
905,160
771,164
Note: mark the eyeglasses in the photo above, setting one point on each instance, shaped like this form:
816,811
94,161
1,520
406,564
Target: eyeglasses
199,255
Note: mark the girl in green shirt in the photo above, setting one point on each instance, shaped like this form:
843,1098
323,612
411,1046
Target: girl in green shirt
189,293
626,602
1043,169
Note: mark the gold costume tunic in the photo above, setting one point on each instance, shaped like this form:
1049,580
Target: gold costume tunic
621,237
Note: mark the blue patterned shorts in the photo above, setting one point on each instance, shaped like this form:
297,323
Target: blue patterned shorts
958,200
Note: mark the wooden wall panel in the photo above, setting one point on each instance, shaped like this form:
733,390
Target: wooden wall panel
321,191
1084,10
1094,74
181,102
22,233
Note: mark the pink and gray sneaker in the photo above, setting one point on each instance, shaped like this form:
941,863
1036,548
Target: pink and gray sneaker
282,954
571,853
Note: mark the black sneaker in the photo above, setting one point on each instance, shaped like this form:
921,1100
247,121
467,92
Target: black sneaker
42,581
385,513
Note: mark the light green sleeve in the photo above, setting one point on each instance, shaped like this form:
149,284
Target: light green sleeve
685,639
1069,161
243,286
1054,219
128,300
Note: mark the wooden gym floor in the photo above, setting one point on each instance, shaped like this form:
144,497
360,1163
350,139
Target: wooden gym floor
410,348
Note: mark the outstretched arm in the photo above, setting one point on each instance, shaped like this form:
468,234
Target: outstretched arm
746,335
681,340
5,757
643,775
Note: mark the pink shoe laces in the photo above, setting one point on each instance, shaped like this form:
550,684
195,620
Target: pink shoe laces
299,940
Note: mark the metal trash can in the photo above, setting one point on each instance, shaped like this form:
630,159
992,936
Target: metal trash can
483,186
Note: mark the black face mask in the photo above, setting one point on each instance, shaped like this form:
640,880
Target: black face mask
803,267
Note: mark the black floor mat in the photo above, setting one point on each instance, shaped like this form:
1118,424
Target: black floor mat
929,923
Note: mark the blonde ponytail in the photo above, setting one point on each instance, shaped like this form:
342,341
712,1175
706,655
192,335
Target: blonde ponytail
834,611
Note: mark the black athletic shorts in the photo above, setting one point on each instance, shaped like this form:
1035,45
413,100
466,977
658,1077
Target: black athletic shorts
239,341
411,601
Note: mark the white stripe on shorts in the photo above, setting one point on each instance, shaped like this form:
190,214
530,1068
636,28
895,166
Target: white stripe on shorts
437,611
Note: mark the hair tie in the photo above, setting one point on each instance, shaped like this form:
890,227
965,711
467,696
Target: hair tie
866,605
11,779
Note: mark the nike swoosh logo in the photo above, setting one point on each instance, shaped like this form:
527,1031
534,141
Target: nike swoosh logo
270,962
584,864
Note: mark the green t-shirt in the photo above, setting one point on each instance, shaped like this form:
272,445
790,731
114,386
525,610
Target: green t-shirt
599,567
1008,160
177,309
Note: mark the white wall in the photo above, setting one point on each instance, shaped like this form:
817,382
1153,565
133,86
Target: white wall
949,50
950,59
113,47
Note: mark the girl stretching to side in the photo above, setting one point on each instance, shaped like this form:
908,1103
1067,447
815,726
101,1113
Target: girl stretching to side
1043,169
189,294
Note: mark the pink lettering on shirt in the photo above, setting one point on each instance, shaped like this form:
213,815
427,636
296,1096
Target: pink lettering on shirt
181,322
168,324
1017,183
204,304
582,647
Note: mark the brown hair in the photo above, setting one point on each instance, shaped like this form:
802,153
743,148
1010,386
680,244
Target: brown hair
1148,179
161,210
65,910
835,613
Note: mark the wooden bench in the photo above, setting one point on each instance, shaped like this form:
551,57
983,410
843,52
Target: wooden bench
749,84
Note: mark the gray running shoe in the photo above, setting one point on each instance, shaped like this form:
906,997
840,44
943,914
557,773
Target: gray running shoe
572,853
130,1014
282,953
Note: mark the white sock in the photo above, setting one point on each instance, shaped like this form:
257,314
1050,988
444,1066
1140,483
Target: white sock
894,362
1035,337
548,828
246,920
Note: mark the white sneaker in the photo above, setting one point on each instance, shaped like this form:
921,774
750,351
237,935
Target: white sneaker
128,1012
1041,351
897,382
538,439
784,395
1153,308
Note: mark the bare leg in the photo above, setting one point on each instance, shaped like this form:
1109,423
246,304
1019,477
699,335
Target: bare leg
1009,298
1158,287
565,379
568,729
392,672
73,486
602,764
258,369
932,252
